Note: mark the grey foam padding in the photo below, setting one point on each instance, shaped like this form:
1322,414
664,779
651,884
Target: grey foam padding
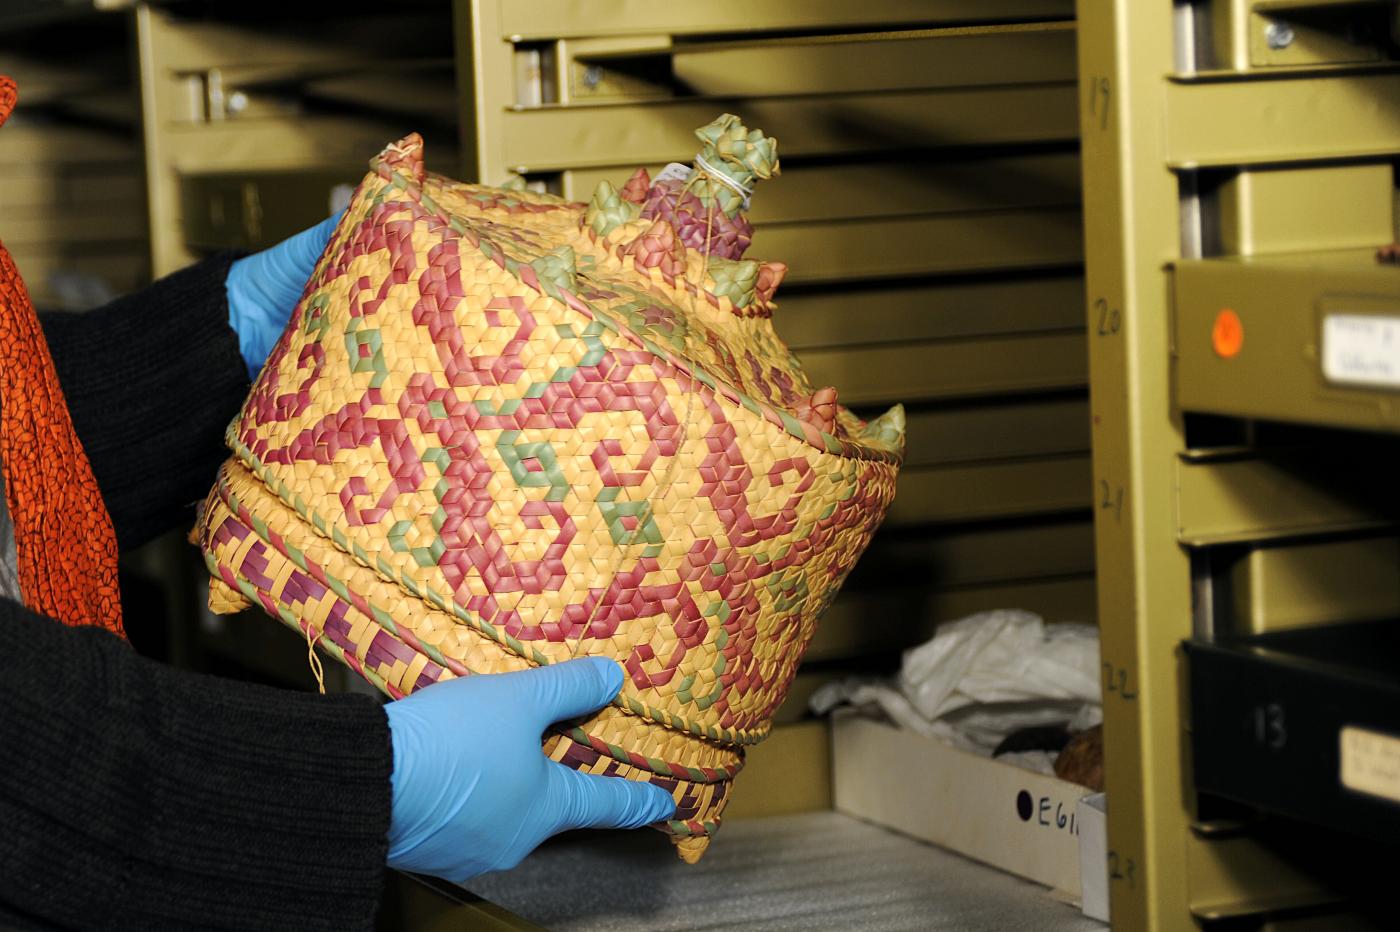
812,871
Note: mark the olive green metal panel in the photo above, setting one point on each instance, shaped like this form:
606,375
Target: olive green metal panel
1003,431
1284,35
554,138
165,52
306,142
1235,499
89,224
1229,35
1282,304
978,555
930,311
29,146
1210,121
794,707
419,93
61,187
1292,210
1266,34
544,19
789,772
284,145
123,266
976,491
914,246
891,188
1144,593
253,210
1287,586
1056,600
214,99
906,584
480,106
1238,879
609,67
1016,54
878,622
1141,120
950,369
72,206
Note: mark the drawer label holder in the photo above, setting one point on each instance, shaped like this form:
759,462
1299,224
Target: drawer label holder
1370,762
1361,350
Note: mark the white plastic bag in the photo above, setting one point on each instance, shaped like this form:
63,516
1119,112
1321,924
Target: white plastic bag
983,677
1001,656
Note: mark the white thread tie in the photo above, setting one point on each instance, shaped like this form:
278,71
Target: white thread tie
724,179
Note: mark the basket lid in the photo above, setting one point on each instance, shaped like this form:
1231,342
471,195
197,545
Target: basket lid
662,261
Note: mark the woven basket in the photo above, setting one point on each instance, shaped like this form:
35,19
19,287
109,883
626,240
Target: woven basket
503,430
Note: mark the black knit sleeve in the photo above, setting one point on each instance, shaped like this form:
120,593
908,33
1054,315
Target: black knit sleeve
152,380
136,796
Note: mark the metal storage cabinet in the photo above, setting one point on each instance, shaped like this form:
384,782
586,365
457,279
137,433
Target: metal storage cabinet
1238,177
253,111
928,209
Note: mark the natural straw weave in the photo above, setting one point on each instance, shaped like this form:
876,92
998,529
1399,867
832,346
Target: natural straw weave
503,430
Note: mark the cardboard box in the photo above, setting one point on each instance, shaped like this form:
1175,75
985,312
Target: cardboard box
1093,856
1022,822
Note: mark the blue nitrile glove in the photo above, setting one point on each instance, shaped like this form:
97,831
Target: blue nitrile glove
263,289
472,790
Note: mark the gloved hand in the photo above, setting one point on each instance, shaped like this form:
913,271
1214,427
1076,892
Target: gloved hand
263,290
472,790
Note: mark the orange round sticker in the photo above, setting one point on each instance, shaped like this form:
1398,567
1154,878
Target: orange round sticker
1228,334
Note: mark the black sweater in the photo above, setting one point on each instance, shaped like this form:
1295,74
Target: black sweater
136,796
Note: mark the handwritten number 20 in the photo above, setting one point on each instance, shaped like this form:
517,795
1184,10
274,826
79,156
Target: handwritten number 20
1109,320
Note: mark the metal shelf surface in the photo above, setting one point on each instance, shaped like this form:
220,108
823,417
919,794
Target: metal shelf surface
814,871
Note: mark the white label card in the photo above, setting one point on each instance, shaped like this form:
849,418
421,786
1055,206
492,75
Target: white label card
675,170
1361,349
1370,762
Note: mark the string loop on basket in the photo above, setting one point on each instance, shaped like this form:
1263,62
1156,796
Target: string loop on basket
711,172
313,661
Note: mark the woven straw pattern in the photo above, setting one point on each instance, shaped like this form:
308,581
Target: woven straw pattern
504,430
